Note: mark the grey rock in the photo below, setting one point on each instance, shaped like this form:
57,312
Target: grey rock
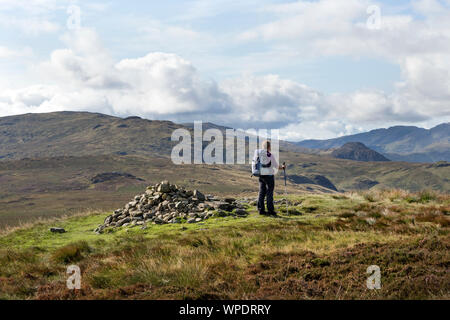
148,215
57,230
203,206
123,221
168,203
136,213
222,213
241,212
164,187
200,196
223,206
230,200
108,220
159,221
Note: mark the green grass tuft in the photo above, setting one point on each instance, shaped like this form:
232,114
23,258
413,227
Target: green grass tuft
71,253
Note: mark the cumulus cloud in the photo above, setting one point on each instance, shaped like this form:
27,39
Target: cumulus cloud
419,45
83,76
165,86
270,102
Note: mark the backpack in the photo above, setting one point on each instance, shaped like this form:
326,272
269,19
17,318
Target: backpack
260,160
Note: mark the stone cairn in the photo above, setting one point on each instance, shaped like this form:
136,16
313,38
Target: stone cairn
166,203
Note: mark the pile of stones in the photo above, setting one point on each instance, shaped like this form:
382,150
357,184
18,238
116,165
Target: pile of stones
166,203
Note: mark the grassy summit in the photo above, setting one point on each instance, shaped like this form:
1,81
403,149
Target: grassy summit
321,250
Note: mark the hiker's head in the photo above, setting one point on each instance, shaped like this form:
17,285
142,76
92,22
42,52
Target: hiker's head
266,145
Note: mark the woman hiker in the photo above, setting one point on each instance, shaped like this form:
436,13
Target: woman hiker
266,178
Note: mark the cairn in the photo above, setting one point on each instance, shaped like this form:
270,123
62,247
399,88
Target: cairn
166,203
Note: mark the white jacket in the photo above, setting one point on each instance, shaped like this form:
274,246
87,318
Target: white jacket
266,158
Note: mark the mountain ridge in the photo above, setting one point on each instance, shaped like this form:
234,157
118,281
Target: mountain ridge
82,133
37,135
398,143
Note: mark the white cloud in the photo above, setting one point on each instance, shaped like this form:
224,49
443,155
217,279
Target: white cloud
165,86
269,101
171,37
30,16
201,9
7,53
83,76
32,26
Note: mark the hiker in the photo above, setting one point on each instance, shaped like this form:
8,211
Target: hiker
266,178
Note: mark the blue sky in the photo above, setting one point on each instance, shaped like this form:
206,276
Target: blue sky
314,69
117,22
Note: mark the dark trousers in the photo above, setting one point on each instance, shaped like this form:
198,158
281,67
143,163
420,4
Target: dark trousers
266,187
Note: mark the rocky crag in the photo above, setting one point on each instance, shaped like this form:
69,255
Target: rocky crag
166,203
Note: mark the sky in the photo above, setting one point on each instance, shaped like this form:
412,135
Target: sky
313,69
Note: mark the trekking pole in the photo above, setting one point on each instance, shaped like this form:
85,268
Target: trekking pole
285,187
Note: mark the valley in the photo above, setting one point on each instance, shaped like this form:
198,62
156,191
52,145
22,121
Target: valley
64,163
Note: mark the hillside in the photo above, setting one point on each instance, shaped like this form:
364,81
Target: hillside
50,187
398,143
284,145
320,250
63,163
89,134
360,175
358,152
82,134
74,170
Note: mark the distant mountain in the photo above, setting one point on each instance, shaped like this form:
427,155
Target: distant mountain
59,134
284,145
82,133
357,151
79,151
400,143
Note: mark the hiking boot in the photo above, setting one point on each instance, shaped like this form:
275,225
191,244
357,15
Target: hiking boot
272,214
263,213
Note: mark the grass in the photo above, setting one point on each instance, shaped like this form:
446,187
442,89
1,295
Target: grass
73,252
320,252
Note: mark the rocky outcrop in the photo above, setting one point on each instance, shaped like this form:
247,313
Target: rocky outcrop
314,179
166,203
358,152
57,230
440,164
108,176
324,182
